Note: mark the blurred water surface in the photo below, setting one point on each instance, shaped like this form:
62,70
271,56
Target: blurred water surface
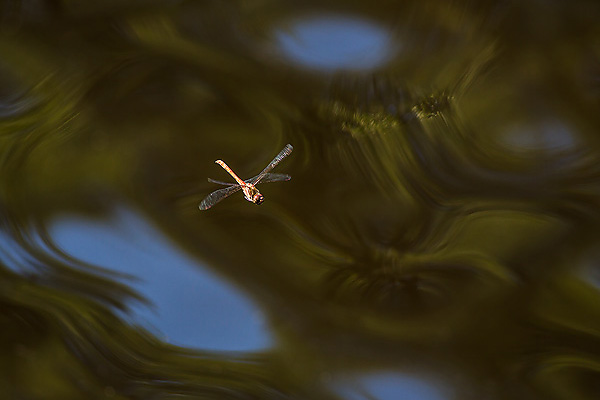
439,238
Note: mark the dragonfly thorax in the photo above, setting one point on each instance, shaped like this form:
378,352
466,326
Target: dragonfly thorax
252,194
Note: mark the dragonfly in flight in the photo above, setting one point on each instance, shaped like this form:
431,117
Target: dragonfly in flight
248,186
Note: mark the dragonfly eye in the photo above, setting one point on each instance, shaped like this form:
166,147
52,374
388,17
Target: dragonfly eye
258,198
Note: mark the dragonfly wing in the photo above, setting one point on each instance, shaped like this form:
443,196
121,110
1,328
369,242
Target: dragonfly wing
270,178
222,183
287,150
217,196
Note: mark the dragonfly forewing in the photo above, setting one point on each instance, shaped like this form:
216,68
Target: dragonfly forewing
265,179
287,150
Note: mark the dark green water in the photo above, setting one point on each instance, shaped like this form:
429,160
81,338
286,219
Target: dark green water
439,239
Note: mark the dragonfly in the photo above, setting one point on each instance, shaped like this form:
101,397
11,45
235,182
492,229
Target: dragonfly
248,187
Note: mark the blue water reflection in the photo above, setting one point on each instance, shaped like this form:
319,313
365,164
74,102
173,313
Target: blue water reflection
11,255
390,386
334,43
590,268
191,306
549,135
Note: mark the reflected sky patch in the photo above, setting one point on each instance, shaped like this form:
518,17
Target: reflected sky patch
192,306
549,135
389,386
335,42
10,254
590,268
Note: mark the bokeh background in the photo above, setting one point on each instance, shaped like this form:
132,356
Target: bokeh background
439,239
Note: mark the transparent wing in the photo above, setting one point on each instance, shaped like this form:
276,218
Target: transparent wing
217,196
287,150
222,183
266,178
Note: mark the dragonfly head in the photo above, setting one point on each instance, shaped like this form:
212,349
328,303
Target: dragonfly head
258,198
